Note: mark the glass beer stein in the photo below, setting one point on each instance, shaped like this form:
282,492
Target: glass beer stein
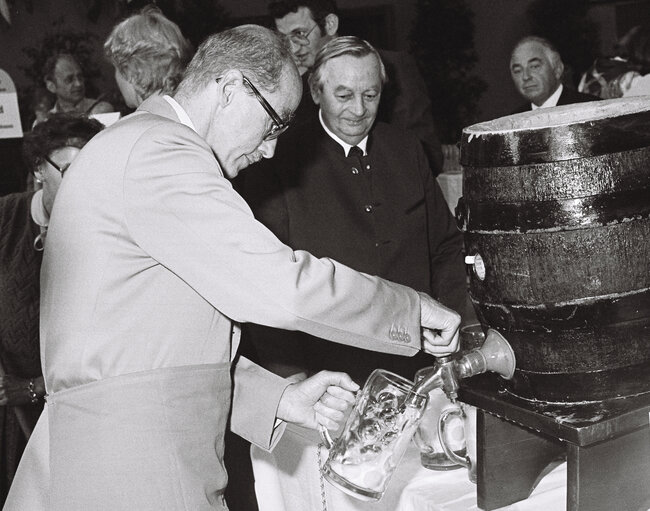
432,454
378,431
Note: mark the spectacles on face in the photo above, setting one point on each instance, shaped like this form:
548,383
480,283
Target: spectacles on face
300,37
60,169
279,126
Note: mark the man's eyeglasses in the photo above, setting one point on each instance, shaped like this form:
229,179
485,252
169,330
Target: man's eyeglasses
56,166
279,126
300,37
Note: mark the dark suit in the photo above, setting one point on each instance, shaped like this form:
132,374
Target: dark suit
568,97
405,104
384,215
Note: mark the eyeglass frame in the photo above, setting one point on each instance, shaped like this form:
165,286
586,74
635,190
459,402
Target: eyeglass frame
279,126
56,166
300,39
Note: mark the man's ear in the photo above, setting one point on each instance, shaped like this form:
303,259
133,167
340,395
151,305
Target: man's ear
228,84
559,70
39,176
50,86
331,24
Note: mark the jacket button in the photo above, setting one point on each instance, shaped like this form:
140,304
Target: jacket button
355,170
368,208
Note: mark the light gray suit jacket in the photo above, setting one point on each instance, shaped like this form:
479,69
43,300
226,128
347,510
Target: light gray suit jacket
151,256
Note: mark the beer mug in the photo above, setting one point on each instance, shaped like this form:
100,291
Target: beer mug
432,455
375,436
466,414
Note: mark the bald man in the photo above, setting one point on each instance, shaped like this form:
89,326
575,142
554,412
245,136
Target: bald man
536,68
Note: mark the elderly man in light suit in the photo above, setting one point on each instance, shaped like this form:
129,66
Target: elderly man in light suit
152,257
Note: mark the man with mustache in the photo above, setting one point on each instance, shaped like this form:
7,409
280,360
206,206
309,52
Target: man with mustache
536,68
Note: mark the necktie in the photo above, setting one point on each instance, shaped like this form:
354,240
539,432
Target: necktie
355,152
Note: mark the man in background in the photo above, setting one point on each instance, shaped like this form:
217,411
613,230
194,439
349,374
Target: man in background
309,24
536,68
361,192
64,78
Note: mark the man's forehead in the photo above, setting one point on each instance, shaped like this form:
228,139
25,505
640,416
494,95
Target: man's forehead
337,69
300,20
66,65
528,51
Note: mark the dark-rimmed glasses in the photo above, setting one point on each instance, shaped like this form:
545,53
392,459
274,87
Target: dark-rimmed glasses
60,169
279,126
300,37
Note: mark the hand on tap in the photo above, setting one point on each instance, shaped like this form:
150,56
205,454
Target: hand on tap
440,327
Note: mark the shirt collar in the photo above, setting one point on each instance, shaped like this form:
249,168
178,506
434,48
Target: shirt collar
551,100
182,114
39,215
346,147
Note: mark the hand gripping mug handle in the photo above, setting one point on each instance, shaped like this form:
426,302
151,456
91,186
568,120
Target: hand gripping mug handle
442,423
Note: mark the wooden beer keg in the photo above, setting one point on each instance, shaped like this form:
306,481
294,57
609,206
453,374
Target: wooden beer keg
555,214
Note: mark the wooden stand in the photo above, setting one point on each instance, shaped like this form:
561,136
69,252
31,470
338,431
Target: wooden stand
606,444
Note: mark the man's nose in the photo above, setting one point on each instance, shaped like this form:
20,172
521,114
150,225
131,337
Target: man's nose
358,106
295,47
267,148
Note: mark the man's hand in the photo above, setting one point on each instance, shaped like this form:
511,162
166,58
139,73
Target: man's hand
321,399
439,327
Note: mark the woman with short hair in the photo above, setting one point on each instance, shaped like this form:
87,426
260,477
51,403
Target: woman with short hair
149,54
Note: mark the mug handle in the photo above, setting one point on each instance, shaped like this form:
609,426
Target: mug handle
442,423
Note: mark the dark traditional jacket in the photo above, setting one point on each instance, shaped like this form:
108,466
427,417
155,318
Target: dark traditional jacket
383,214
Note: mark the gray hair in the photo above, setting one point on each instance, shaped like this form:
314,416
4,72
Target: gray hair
259,53
149,51
337,47
550,50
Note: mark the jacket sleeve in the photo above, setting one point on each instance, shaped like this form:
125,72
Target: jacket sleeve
256,396
183,213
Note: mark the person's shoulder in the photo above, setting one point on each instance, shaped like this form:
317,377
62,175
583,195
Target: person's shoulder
15,204
570,96
394,139
524,107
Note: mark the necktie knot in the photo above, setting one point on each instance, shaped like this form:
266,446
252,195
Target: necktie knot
355,152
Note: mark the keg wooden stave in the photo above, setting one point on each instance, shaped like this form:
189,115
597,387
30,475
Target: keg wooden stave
557,206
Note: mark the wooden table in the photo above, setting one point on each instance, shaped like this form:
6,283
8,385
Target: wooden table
606,444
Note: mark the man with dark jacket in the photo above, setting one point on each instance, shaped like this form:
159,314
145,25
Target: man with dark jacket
360,191
309,24
536,69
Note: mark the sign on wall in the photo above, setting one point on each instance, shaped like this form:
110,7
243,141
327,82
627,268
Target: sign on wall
10,126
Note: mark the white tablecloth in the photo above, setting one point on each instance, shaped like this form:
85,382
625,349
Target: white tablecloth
288,480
